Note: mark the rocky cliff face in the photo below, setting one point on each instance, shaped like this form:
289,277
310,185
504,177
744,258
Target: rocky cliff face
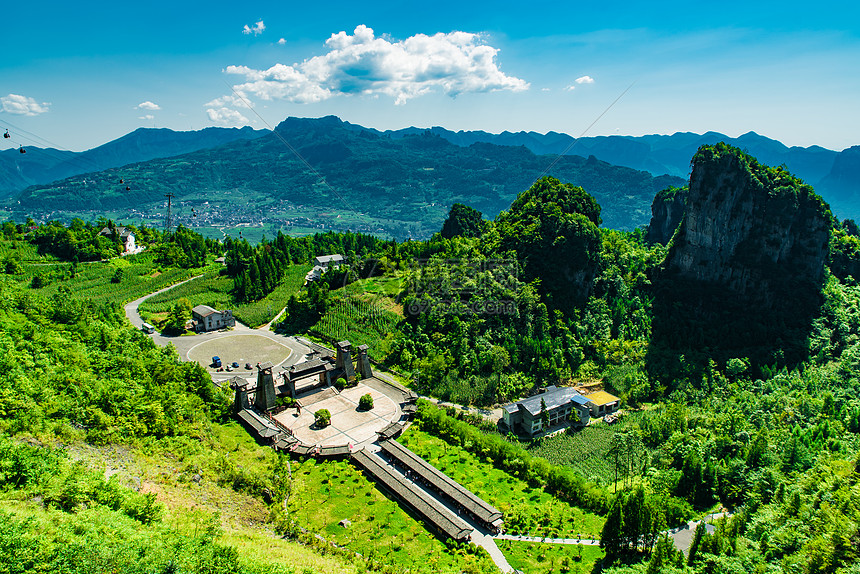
755,230
667,209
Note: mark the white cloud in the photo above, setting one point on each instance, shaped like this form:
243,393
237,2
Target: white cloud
147,105
226,117
454,63
282,41
230,100
256,30
22,105
147,117
584,80
545,89
570,88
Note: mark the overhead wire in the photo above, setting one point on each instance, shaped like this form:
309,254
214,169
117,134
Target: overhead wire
585,131
295,152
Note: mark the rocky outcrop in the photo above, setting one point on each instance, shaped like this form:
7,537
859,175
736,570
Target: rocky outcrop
667,209
757,231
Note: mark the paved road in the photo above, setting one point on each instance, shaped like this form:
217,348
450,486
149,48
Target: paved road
185,343
571,541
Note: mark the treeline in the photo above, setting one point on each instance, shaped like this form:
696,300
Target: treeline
258,269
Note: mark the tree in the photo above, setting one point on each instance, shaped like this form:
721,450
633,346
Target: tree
179,316
463,220
365,403
117,276
552,228
544,414
322,418
612,535
499,360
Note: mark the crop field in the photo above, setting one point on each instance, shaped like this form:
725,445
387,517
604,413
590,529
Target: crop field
214,289
527,510
325,492
586,450
359,317
140,275
538,558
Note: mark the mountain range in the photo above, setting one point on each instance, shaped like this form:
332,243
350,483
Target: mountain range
408,175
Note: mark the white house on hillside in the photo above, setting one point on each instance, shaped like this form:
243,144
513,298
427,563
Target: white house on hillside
206,318
322,264
125,236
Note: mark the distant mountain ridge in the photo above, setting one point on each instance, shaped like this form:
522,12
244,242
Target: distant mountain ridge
408,182
40,165
835,175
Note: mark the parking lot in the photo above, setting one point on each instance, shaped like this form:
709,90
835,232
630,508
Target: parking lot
241,348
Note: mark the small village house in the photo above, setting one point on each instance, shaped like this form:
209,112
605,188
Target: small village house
562,404
126,237
322,264
205,318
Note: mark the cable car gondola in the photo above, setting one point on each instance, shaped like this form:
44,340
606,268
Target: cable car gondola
22,150
6,135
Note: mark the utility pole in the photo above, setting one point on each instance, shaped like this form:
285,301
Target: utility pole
168,224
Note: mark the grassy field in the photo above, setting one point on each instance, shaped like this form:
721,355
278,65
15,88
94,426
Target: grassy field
200,481
527,510
326,492
586,450
214,289
536,558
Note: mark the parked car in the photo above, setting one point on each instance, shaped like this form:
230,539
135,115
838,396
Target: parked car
216,361
248,366
235,365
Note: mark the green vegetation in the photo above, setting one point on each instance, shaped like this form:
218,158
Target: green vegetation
365,403
538,558
324,493
322,418
527,508
763,420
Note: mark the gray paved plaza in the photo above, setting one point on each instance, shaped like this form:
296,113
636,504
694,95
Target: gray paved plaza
348,425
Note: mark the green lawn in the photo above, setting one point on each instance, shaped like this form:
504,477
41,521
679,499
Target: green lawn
527,510
326,492
537,558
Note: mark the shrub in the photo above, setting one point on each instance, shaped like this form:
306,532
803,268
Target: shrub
322,418
365,403
340,384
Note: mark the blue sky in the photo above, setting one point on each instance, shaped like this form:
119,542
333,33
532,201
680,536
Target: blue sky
78,74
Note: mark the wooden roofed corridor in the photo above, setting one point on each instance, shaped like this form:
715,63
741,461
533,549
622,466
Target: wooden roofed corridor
451,509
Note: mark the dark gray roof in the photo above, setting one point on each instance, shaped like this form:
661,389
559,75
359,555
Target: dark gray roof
203,310
311,367
390,431
285,442
266,365
443,483
420,501
332,451
554,397
261,426
303,449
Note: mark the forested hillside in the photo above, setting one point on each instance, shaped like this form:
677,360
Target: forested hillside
410,181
